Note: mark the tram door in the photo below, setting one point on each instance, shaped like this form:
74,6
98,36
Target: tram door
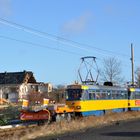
129,98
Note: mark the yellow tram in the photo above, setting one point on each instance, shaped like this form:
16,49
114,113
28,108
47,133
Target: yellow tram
96,100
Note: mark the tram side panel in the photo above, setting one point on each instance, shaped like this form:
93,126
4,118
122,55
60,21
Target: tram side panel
134,99
90,103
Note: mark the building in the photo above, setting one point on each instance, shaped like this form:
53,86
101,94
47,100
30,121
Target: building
15,86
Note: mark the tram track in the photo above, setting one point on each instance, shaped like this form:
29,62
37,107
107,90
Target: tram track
16,130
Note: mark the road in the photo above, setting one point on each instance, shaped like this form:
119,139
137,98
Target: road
119,131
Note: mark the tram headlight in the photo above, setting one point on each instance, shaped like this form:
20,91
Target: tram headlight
78,107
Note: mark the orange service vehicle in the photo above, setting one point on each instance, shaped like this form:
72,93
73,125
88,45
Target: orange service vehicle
35,116
45,112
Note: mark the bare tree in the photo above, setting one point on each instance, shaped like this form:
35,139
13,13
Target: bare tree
111,70
137,74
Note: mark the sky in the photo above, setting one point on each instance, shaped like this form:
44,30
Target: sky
48,37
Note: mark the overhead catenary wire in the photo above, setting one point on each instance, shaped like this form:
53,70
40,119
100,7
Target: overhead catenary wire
56,38
45,46
62,40
56,49
39,33
38,45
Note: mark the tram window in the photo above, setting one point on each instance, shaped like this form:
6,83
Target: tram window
85,95
74,94
137,95
124,95
108,94
133,96
97,95
91,96
97,91
117,95
103,95
100,96
113,96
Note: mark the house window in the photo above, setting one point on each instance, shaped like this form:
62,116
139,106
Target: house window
6,96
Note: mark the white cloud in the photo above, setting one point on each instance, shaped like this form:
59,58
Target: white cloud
78,24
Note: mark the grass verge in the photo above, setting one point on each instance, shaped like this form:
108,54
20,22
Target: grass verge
56,129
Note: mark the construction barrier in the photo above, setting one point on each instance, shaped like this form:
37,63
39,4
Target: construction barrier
45,102
25,103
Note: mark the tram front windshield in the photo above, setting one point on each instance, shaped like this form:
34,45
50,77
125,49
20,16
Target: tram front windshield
74,94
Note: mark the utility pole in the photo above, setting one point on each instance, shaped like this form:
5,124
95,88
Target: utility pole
132,63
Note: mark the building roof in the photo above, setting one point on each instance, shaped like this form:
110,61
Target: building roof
17,77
